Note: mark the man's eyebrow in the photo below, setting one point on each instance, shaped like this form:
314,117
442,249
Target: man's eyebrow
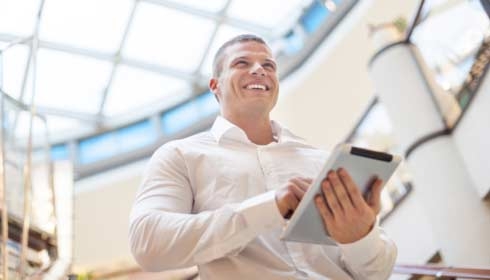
238,58
271,61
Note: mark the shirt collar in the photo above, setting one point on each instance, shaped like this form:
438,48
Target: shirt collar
222,128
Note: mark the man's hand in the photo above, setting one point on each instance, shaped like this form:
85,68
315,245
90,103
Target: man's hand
346,215
288,197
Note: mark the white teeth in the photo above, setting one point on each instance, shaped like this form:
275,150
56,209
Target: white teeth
256,86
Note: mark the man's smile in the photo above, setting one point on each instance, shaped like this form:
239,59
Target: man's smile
257,86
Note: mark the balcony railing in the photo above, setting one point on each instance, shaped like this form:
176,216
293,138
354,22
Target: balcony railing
442,272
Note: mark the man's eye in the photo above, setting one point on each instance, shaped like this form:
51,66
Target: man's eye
241,62
269,66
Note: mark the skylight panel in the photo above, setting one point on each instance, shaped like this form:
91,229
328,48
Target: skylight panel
18,17
208,5
167,37
93,24
269,14
56,125
70,82
14,62
135,89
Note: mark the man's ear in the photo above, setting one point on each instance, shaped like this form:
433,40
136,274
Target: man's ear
214,87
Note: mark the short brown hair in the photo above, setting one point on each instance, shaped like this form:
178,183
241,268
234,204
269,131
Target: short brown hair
218,57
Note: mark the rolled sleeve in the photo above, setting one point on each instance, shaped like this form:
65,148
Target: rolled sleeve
364,249
371,257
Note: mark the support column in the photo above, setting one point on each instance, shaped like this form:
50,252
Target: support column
442,184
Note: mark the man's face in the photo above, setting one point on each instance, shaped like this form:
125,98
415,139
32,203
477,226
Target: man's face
248,82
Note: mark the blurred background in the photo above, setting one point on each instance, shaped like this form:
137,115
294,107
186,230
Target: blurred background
89,89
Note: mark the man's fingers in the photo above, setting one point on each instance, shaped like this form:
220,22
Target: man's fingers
295,188
340,191
330,198
351,186
306,180
303,183
374,200
323,208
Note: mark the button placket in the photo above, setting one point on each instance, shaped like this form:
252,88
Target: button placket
265,165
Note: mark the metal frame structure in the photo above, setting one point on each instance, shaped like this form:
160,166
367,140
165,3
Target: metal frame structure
99,123
25,223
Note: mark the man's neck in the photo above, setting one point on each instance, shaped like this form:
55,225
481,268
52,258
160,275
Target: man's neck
258,130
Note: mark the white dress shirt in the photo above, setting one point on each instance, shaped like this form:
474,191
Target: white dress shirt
209,200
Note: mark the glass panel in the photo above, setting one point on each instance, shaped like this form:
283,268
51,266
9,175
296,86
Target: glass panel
114,143
61,125
136,136
21,130
95,24
449,41
225,33
314,17
294,42
189,113
207,104
159,35
60,152
70,82
208,5
14,64
15,157
134,89
18,17
56,125
96,148
42,196
454,40
270,13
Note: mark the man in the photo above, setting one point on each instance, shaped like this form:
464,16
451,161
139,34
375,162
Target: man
219,199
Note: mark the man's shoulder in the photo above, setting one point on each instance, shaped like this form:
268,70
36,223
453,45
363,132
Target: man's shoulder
189,142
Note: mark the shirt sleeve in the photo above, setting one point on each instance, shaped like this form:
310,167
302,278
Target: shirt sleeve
163,234
371,257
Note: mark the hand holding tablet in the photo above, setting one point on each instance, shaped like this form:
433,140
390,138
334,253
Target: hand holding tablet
333,209
346,215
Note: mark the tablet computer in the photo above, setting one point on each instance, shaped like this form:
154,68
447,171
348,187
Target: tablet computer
306,224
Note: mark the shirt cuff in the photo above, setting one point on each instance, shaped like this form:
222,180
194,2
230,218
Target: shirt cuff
365,249
261,212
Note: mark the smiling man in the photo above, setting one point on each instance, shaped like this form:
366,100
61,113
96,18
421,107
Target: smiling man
219,199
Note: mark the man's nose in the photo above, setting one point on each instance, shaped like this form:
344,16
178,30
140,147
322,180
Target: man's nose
257,69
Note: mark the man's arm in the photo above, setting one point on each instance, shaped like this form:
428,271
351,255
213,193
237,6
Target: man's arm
164,235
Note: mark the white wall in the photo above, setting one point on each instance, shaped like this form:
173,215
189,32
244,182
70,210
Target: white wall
102,206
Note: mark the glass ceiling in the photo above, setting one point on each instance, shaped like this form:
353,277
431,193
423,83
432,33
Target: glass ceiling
102,60
113,79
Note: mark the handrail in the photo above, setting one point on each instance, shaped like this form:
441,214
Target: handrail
415,20
442,271
137,273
